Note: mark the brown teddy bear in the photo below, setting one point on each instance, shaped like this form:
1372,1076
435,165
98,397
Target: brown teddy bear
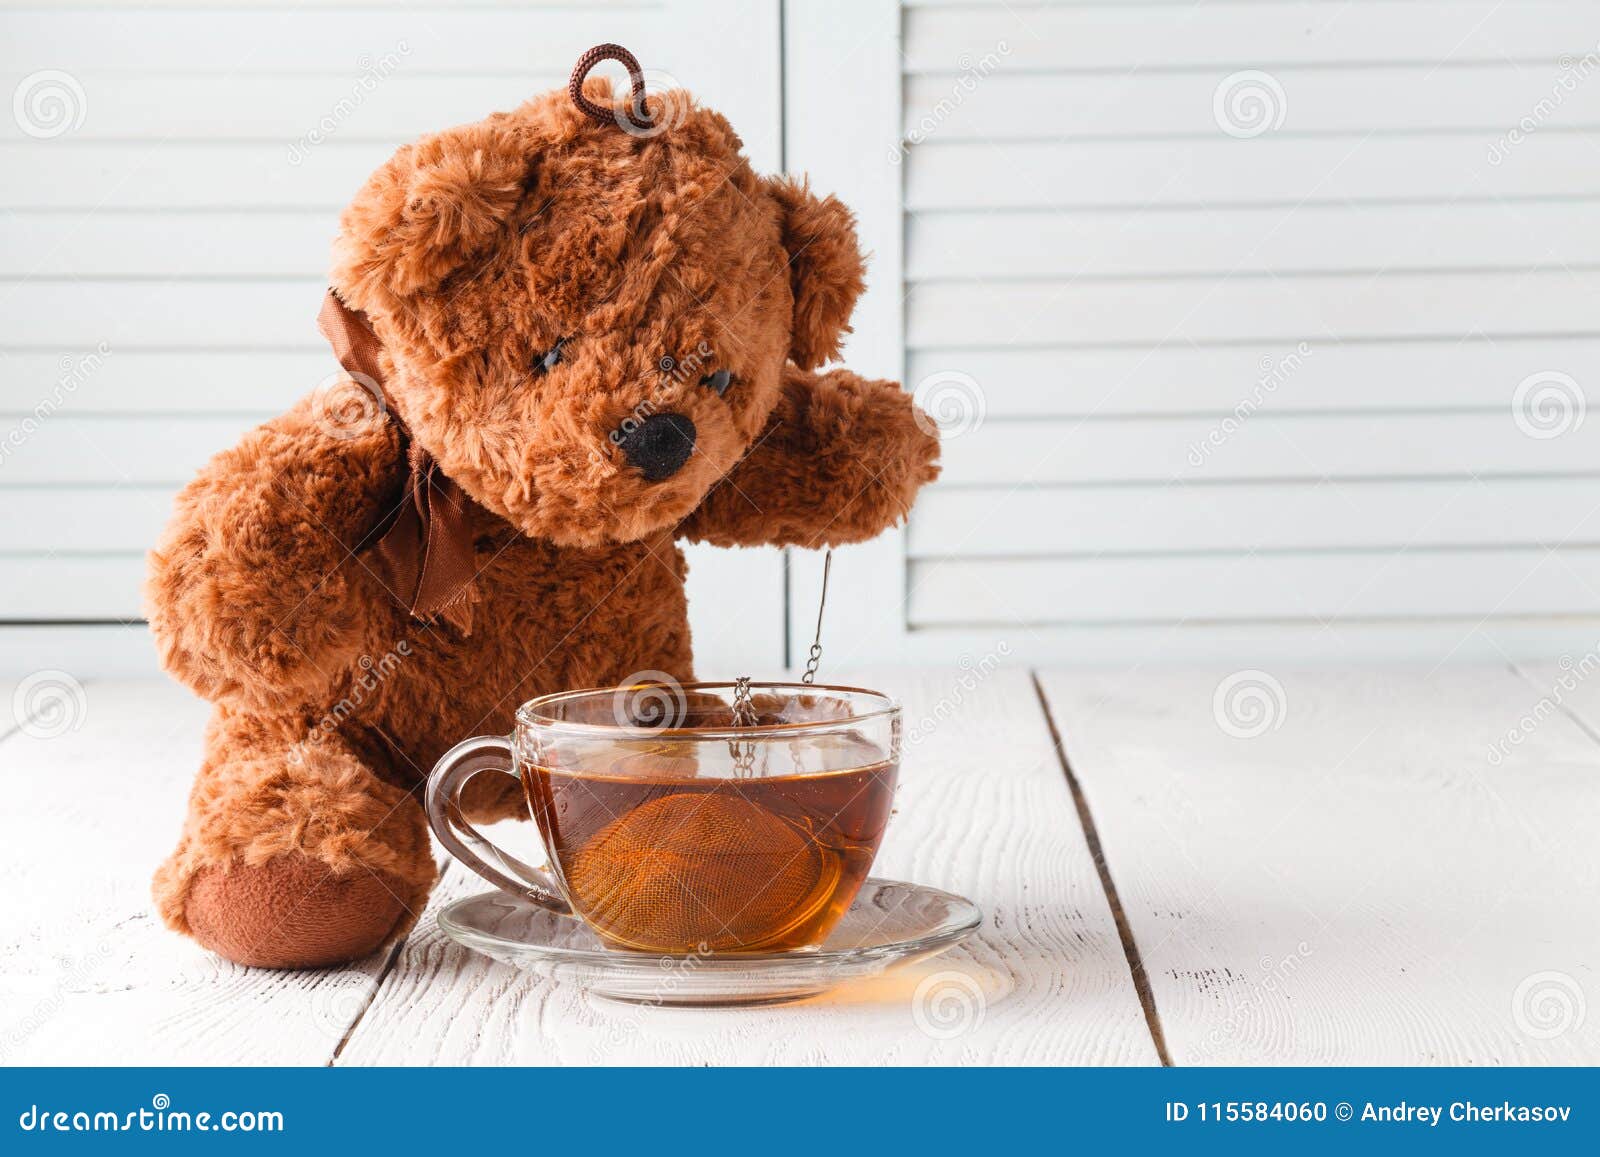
588,330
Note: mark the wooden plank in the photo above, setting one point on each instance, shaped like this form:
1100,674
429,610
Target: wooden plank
338,39
1271,169
162,314
86,971
842,96
1312,239
736,608
1122,645
1359,883
92,650
1034,523
117,451
84,519
171,244
133,175
187,383
751,97
384,102
1401,98
1311,308
1118,37
1344,585
982,809
1391,375
1263,446
43,587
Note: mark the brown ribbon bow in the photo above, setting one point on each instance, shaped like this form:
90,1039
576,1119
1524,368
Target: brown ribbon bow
426,555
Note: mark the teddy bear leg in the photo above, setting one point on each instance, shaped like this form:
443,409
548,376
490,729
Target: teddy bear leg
294,854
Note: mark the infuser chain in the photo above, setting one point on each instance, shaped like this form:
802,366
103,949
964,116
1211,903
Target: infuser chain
744,711
744,715
814,658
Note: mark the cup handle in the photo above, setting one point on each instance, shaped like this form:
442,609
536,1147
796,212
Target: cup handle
463,761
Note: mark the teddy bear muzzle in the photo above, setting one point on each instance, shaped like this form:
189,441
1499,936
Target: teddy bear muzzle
659,446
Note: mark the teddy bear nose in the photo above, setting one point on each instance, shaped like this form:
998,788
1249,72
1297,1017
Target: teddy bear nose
659,445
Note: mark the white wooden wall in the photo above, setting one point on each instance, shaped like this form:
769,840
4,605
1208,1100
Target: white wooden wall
166,207
1096,229
1256,327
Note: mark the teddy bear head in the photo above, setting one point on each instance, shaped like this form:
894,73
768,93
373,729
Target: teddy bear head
587,323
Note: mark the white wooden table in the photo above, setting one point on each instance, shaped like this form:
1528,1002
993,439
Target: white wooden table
1367,880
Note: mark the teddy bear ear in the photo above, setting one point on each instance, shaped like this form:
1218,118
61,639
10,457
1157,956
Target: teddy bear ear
826,270
432,208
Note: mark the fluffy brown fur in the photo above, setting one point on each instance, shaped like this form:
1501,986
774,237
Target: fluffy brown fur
657,262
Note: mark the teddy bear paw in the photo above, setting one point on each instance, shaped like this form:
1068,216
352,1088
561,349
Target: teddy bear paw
292,911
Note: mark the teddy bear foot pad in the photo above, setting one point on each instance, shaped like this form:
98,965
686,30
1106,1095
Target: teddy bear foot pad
890,923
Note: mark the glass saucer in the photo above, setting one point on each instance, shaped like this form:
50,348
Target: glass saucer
890,923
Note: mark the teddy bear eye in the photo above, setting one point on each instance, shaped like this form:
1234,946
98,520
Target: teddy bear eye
551,359
719,381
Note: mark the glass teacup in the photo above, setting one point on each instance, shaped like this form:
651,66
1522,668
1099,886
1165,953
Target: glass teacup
671,828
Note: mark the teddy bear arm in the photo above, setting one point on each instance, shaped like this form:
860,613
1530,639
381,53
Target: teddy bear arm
841,460
253,595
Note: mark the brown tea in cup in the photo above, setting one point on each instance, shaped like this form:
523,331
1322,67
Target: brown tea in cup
686,865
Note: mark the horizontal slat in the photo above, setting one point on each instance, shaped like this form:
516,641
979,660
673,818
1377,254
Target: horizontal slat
1311,239
1266,170
66,587
1004,106
1424,584
59,175
943,314
87,650
329,39
69,448
112,451
1264,447
84,519
134,382
159,314
172,244
951,523
1198,380
1244,35
387,102
128,650
1268,645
